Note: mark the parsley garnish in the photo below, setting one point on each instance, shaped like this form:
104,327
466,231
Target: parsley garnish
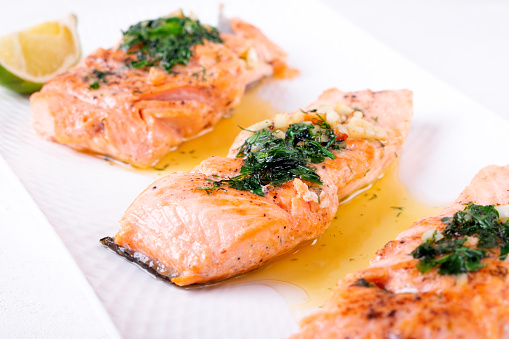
364,283
94,85
272,160
449,252
481,221
166,42
100,76
455,258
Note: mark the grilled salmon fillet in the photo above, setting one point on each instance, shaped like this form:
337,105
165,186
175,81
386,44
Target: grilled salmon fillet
137,115
189,235
393,299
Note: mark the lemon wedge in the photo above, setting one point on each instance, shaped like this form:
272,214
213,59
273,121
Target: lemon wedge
31,57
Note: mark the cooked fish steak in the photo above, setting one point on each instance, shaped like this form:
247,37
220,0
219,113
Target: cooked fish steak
191,235
393,299
137,115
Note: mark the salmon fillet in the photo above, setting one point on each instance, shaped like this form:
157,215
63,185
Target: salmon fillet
393,299
137,115
187,235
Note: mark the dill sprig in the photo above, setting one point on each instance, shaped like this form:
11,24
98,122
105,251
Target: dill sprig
99,77
450,254
479,221
166,42
270,159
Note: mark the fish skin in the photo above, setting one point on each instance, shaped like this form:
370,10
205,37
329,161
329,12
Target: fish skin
139,115
409,304
199,237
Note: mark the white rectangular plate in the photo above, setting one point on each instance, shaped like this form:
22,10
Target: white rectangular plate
84,197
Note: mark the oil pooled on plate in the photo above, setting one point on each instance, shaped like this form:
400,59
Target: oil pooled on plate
362,225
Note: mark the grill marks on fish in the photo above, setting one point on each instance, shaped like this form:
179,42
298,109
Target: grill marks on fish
201,235
401,302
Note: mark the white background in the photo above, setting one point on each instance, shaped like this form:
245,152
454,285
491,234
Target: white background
43,294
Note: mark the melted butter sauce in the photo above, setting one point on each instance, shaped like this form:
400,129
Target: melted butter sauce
362,225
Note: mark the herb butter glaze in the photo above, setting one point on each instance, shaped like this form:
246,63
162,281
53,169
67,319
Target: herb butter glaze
471,235
362,224
392,298
166,42
105,105
206,237
274,157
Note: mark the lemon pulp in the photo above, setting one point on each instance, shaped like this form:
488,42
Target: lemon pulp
31,57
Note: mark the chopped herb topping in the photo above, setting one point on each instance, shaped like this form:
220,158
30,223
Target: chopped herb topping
454,257
504,251
447,250
216,185
200,74
100,77
166,42
364,283
479,221
276,157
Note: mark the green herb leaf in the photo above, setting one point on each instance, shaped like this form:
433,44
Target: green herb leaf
454,257
449,253
166,42
99,76
504,251
94,85
425,265
462,260
271,160
364,283
481,221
